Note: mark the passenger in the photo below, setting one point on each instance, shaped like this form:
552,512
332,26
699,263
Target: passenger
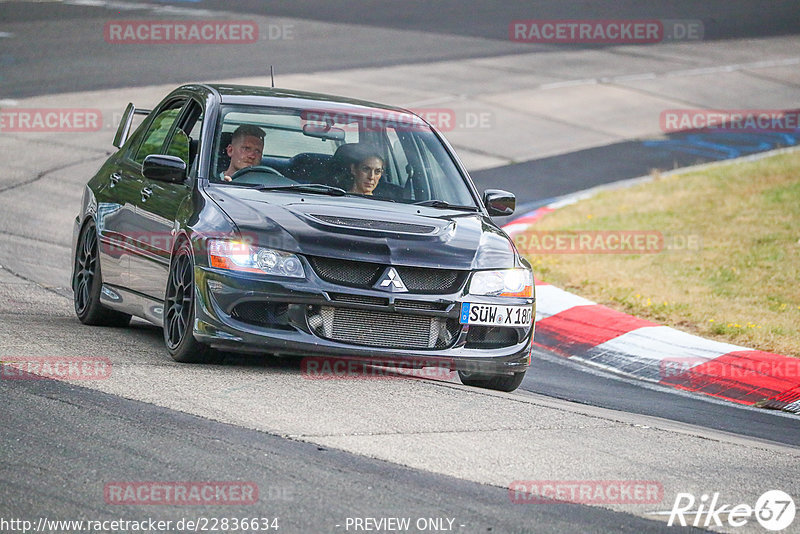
245,149
366,173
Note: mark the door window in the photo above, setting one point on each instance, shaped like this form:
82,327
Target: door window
154,138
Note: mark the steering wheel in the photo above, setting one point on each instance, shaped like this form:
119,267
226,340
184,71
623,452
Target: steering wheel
255,168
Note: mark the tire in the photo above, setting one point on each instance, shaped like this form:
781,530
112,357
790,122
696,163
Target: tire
179,302
490,381
87,281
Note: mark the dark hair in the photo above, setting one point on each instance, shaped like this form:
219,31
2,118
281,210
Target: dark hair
247,130
362,151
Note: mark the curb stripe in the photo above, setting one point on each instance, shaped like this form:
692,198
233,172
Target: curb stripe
578,329
748,376
665,343
551,300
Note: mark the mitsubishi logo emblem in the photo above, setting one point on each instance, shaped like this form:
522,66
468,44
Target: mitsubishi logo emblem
391,281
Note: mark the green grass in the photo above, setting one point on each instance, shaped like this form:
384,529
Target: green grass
730,269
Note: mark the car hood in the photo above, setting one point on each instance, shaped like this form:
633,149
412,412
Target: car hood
361,229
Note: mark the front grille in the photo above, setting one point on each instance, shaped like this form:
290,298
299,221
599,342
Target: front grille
423,280
372,224
382,329
262,313
348,273
365,275
491,337
359,299
417,305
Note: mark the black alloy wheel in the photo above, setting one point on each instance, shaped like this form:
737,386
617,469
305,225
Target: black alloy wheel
179,310
87,283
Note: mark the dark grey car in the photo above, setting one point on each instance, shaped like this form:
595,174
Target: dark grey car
286,258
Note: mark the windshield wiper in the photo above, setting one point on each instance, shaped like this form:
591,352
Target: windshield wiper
444,205
306,188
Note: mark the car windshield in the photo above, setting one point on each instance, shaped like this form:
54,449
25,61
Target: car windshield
376,153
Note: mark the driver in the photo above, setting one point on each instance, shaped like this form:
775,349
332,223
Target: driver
247,145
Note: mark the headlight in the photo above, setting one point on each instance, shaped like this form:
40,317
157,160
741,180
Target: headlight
240,256
505,283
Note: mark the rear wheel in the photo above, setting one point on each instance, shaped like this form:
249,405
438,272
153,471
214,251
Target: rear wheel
87,283
179,311
492,381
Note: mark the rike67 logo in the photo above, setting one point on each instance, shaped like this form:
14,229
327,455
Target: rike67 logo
774,510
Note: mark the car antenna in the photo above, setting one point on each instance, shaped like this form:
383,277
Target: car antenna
272,76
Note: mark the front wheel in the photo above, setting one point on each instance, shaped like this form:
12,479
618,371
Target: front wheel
87,283
491,381
179,311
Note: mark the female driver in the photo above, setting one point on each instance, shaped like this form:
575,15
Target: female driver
366,173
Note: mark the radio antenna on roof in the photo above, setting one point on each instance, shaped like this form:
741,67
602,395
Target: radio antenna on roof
272,76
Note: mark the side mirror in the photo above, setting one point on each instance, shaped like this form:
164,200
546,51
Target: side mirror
498,202
162,168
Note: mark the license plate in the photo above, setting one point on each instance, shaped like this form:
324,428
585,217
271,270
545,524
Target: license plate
492,315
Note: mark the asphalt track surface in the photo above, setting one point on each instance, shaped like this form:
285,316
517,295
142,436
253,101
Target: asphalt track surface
78,429
552,376
310,488
60,47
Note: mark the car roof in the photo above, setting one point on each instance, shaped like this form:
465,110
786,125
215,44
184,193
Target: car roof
266,96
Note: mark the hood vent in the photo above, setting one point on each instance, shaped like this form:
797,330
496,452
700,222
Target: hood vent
378,225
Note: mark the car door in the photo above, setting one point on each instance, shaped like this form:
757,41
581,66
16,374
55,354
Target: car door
116,207
141,234
116,191
158,204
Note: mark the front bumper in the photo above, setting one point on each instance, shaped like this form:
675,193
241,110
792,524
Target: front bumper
311,317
